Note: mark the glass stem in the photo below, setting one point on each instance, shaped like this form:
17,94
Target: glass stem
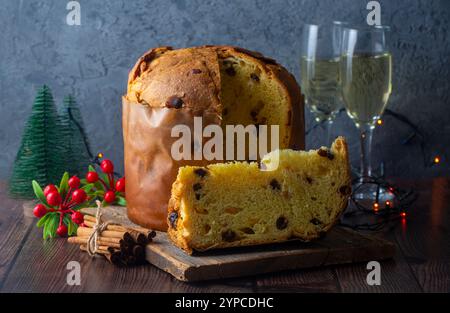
328,125
366,147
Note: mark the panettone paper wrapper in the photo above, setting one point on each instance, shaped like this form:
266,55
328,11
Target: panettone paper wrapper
150,169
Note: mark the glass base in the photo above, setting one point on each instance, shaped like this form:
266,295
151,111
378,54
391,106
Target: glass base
369,193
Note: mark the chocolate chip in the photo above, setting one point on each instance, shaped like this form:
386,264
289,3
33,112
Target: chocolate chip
313,198
325,153
315,221
200,172
174,102
254,77
309,179
275,184
345,190
197,186
173,217
282,223
224,111
230,71
197,196
228,235
196,71
253,114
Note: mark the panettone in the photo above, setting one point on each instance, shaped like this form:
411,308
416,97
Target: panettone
224,85
238,204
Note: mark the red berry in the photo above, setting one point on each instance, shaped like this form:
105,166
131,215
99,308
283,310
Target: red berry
77,218
62,230
74,182
54,198
49,188
39,210
92,177
107,166
79,196
120,184
110,196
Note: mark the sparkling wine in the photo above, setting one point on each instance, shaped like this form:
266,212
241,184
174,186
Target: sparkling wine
320,84
366,85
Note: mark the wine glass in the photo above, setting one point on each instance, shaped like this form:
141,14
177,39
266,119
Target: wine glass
366,74
319,71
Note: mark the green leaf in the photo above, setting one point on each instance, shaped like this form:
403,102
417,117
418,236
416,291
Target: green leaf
38,192
71,227
88,187
98,185
64,184
121,201
50,226
83,181
43,219
105,179
91,168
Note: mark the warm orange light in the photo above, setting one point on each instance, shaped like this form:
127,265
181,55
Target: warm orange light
403,214
437,160
100,155
380,122
388,203
376,206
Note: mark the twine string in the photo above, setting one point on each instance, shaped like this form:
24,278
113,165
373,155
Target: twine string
92,242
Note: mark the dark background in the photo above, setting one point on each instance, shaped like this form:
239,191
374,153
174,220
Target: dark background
92,62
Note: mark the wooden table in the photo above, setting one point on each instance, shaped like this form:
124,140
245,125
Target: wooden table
422,263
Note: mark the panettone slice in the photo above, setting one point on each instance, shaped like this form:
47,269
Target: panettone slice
299,195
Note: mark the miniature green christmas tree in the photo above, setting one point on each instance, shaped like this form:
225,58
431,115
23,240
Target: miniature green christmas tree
77,156
41,153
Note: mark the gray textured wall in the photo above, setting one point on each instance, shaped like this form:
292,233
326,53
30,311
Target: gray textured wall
92,61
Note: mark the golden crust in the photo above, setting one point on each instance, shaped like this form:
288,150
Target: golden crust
156,77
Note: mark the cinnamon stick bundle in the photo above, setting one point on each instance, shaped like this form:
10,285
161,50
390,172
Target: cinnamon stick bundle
120,245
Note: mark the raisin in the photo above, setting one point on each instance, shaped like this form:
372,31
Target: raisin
325,153
228,235
345,190
200,172
309,179
254,77
173,217
197,196
248,230
282,223
174,102
196,71
275,184
313,198
230,71
197,186
315,221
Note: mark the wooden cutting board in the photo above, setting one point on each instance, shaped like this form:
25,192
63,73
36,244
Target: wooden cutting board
339,246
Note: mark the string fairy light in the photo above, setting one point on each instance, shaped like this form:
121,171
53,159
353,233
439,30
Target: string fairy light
415,134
